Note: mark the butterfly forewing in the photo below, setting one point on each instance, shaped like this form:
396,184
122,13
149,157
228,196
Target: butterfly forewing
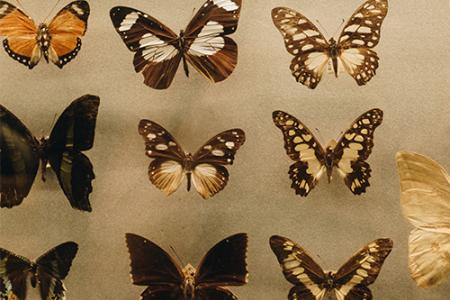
302,147
303,40
354,147
13,275
362,270
209,50
299,269
19,157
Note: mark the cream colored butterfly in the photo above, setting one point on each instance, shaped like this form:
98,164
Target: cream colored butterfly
425,198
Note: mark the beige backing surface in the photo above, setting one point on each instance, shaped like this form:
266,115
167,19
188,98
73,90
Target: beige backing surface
412,87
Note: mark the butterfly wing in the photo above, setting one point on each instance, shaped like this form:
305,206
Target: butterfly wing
303,40
425,199
74,132
13,275
224,265
66,30
216,293
302,147
166,171
153,267
20,32
210,51
361,270
299,269
19,157
53,267
361,33
354,147
209,175
154,44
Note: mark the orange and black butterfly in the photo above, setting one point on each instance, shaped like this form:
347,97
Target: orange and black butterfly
204,42
352,50
58,41
224,265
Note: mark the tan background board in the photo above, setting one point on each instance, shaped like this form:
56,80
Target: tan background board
412,87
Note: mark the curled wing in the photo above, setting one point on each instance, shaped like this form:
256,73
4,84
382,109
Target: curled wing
354,147
302,147
155,45
303,40
209,50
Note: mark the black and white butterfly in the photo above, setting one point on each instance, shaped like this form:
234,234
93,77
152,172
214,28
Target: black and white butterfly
204,42
352,50
205,168
311,282
47,272
21,152
223,265
348,155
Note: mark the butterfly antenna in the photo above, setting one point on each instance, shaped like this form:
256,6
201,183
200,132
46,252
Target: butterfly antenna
339,28
54,6
52,124
20,4
176,255
321,27
319,134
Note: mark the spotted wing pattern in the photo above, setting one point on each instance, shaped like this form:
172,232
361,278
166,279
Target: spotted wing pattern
303,40
209,175
360,271
354,147
302,147
361,33
13,275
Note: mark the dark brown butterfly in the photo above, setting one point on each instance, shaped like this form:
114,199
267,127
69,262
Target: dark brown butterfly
205,168
47,272
21,152
203,43
310,282
223,265
352,50
348,155
58,41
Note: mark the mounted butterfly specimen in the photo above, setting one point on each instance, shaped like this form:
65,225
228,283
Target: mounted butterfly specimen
352,50
348,155
204,42
21,152
205,169
311,282
58,41
223,265
425,199
47,272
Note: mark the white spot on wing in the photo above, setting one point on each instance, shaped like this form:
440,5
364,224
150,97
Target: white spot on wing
208,41
228,5
128,21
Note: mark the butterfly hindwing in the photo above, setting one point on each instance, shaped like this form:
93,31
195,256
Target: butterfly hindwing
209,50
19,155
209,175
303,40
354,147
74,132
13,275
66,30
302,147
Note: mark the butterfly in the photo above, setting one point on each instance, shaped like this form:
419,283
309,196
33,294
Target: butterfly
204,42
223,265
350,282
21,152
58,41
47,272
206,168
352,50
425,199
348,155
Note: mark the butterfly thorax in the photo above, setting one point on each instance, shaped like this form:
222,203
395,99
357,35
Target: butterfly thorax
188,166
43,154
330,281
43,39
34,275
329,160
189,282
334,52
182,47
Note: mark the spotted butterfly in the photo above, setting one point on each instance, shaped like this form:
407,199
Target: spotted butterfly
204,42
348,155
223,265
47,272
310,282
58,41
352,50
205,168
